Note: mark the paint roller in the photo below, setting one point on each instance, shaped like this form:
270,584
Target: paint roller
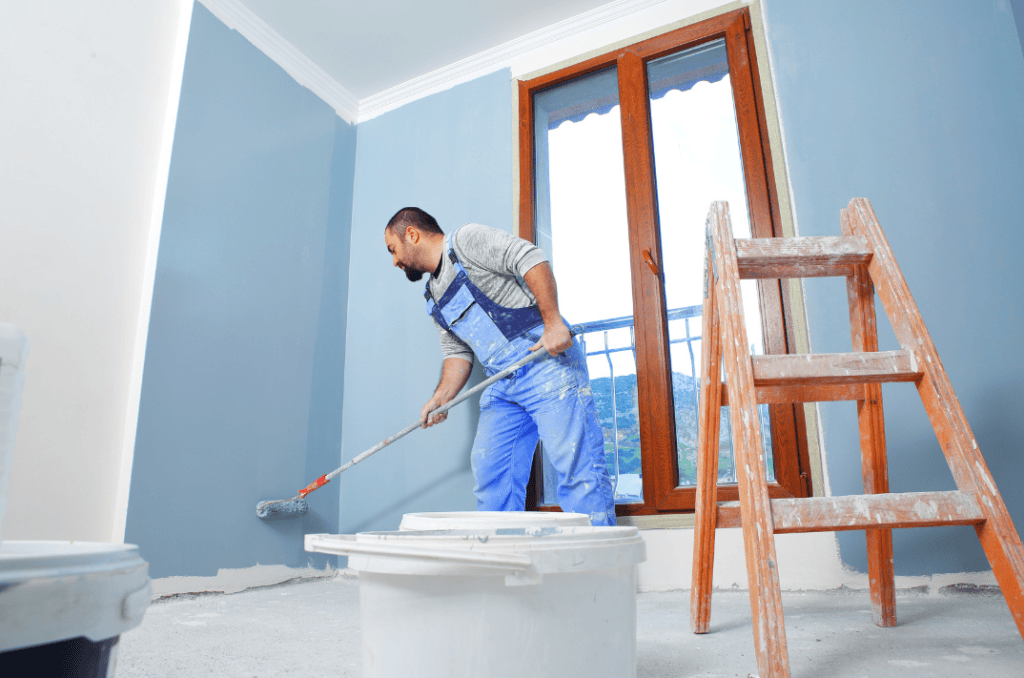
297,505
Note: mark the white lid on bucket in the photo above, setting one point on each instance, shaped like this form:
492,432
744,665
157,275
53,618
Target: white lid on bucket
471,520
56,590
522,554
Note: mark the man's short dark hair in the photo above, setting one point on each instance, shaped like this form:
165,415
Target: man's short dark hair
413,216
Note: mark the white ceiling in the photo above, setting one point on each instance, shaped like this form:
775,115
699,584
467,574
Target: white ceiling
371,46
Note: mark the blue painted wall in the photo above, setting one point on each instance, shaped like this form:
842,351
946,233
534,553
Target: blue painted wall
241,395
1018,16
922,112
328,377
451,154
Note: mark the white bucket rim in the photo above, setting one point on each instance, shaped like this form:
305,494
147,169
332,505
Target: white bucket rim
555,536
524,553
433,520
24,560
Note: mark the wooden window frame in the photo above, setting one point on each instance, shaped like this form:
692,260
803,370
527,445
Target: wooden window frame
657,419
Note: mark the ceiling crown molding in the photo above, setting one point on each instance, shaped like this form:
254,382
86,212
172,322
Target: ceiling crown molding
498,57
240,18
510,54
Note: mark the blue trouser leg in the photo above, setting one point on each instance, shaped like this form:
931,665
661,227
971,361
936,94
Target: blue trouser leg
551,399
502,456
577,454
563,408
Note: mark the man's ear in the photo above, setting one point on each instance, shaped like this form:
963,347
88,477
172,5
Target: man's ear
412,234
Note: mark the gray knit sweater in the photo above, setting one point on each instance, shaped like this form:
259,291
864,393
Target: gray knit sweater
496,262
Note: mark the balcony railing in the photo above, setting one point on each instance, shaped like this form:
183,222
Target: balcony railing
597,339
601,347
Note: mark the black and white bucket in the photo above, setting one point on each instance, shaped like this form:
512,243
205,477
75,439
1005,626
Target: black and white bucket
64,605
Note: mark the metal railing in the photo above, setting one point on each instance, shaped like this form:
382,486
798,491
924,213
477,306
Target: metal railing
603,347
685,313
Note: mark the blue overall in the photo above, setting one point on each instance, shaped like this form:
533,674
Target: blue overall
548,399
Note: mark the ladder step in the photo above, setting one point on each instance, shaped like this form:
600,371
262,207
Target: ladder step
860,512
815,393
811,393
821,377
811,257
817,369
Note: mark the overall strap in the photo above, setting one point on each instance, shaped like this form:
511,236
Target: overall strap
461,278
511,322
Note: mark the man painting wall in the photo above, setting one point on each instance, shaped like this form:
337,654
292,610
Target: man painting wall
493,296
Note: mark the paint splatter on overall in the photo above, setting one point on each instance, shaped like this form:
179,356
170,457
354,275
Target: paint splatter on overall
548,400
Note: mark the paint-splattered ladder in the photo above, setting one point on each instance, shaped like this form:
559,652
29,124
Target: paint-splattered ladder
863,256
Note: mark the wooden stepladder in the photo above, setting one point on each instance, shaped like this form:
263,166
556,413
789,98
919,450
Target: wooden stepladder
863,256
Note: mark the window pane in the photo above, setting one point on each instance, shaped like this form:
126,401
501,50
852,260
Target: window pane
697,161
581,224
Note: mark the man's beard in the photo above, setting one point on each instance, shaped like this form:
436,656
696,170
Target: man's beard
413,276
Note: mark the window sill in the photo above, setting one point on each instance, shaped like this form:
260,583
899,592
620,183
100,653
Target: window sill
672,521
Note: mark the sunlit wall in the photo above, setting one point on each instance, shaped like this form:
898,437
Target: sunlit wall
450,154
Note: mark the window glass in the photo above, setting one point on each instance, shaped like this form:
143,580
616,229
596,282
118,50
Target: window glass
581,224
627,152
697,161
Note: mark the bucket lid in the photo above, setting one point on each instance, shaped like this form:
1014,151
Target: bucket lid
471,520
522,554
56,590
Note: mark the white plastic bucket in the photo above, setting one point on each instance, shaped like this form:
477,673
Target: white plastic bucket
13,348
495,602
470,520
65,604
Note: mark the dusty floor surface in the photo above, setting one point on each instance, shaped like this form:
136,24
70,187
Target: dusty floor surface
311,629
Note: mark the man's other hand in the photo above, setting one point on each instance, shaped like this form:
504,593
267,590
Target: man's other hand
556,339
427,417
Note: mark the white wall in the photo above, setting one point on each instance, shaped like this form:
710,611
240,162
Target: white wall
89,100
807,562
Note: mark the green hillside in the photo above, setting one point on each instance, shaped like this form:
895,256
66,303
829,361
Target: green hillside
684,391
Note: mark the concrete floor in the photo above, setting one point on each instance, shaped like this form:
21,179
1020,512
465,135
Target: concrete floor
310,628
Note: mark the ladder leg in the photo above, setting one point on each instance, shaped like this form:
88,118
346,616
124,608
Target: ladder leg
879,542
874,464
758,536
706,506
999,537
